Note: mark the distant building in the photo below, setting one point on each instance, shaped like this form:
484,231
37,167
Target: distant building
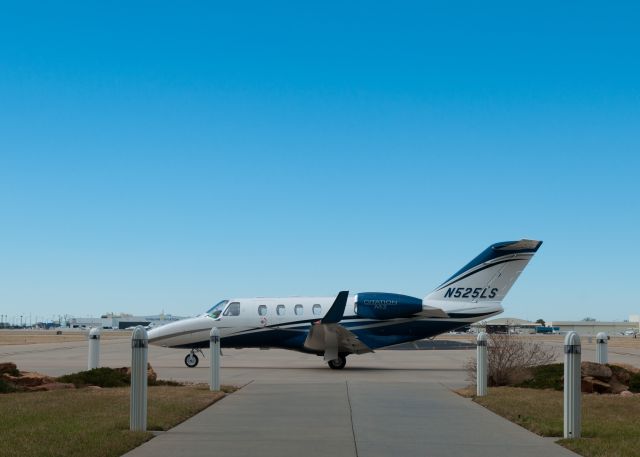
82,322
586,328
121,321
592,328
505,325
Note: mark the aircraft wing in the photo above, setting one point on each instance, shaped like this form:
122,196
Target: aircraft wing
332,339
328,336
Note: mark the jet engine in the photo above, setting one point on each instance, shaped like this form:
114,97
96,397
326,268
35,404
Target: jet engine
381,305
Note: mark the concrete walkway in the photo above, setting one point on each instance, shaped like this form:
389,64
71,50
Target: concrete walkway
350,418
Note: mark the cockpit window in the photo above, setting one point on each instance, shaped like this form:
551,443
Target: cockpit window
233,309
216,309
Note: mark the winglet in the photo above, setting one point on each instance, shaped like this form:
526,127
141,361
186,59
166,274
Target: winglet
335,313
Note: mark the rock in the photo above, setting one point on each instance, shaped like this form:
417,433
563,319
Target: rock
151,374
30,379
617,387
586,386
52,386
630,368
9,368
626,393
596,370
33,389
621,374
591,385
601,387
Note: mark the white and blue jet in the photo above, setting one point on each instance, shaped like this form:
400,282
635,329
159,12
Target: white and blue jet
335,327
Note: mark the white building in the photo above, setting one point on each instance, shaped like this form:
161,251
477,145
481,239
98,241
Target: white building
120,321
586,328
592,328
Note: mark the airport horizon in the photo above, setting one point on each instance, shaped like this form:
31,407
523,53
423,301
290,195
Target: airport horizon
66,320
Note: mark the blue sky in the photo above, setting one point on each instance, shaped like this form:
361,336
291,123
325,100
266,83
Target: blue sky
163,156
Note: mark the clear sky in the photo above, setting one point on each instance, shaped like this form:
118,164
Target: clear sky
165,155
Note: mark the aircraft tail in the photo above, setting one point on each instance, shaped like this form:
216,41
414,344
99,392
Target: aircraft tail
486,279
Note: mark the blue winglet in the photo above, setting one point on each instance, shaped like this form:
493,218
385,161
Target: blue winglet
335,313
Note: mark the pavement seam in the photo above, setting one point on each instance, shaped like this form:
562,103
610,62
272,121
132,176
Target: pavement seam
353,430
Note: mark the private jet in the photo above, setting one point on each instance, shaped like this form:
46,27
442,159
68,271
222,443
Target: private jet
335,327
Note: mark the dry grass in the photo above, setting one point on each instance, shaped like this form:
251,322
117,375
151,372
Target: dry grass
13,337
609,422
83,422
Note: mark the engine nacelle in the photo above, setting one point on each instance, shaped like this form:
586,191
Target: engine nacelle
380,305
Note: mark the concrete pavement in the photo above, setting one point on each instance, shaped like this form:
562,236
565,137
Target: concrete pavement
350,418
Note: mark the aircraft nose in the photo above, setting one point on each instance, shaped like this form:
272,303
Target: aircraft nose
156,335
153,333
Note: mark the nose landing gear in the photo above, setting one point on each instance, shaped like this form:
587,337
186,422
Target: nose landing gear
191,360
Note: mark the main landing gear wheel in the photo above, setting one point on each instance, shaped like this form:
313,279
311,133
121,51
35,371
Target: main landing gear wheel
191,360
339,363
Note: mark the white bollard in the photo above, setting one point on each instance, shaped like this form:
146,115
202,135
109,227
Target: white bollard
481,365
214,348
601,348
94,348
572,384
138,410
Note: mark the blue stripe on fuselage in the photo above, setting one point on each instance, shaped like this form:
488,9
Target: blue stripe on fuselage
375,335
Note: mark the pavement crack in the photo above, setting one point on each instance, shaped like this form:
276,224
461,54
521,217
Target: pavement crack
353,429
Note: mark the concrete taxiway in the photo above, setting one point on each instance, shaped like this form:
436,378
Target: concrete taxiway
388,403
349,418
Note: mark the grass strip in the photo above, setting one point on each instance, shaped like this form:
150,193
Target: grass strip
95,422
610,426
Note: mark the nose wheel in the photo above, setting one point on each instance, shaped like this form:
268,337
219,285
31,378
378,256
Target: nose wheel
191,360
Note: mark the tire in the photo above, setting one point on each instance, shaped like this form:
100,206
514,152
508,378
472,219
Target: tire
339,363
191,360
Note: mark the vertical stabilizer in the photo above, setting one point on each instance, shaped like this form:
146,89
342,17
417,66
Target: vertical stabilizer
487,278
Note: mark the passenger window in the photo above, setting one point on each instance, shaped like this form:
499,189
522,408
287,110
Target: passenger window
262,310
280,310
298,310
233,309
317,310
